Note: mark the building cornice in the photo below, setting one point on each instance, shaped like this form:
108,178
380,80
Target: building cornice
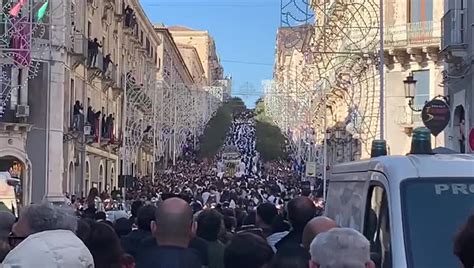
144,18
168,35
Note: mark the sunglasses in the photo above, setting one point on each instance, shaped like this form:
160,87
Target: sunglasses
14,240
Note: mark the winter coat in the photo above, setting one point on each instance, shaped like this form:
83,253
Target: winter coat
54,249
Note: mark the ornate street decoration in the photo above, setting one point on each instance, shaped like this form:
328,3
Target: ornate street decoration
28,31
327,61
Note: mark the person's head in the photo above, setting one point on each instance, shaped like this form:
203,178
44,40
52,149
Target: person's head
340,247
173,225
122,227
104,245
209,224
37,218
100,216
316,226
266,214
146,215
247,250
464,243
7,219
300,211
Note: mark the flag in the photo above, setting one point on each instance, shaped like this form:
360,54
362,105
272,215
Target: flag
42,11
16,9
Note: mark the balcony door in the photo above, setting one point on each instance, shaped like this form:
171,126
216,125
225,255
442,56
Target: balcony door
420,21
420,11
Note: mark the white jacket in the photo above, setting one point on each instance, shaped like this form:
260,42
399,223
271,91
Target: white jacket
52,249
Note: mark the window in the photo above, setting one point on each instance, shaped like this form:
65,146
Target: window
377,226
433,209
72,98
420,10
89,29
422,90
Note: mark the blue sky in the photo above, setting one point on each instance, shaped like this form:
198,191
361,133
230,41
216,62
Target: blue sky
244,31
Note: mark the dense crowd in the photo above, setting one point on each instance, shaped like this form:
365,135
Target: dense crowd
242,135
190,217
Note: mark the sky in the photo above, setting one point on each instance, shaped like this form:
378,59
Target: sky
244,32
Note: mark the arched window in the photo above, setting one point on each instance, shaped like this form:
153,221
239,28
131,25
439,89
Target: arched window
101,178
87,181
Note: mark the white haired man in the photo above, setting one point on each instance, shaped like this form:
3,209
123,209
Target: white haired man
46,239
340,247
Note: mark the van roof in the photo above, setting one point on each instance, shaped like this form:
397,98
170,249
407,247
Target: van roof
413,166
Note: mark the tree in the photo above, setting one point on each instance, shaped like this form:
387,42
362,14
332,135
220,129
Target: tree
271,143
216,130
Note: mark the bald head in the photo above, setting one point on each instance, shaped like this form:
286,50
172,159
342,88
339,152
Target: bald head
316,226
174,220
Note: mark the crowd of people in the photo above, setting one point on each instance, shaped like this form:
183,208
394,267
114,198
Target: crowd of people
242,135
189,217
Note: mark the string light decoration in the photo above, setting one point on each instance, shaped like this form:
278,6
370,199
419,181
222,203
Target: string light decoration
163,115
327,68
27,36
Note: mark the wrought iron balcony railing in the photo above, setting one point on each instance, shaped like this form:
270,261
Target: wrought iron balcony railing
415,34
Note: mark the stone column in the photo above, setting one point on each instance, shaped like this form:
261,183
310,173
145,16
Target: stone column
55,101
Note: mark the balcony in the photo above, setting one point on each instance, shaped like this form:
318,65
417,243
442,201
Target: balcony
96,61
454,45
417,34
79,45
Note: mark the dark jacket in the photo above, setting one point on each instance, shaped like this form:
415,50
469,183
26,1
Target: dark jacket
197,244
292,239
291,245
216,254
132,242
168,257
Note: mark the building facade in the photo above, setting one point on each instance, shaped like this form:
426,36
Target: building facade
194,63
203,42
457,51
412,44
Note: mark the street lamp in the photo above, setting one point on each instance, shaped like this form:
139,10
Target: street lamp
410,86
338,133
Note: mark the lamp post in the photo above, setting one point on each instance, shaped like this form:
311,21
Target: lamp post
410,86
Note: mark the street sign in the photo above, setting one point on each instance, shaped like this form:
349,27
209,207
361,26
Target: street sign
436,115
311,169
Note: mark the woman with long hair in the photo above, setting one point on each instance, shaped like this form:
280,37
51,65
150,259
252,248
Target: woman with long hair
93,200
105,247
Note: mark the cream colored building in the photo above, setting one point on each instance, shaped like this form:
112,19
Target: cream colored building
336,60
193,62
171,65
132,49
206,48
412,46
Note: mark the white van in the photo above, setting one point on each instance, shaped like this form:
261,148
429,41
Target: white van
409,207
7,191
